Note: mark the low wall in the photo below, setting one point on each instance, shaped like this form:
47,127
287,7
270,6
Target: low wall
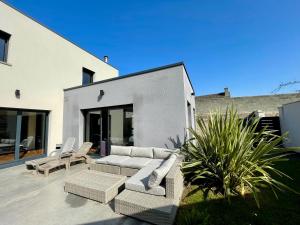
290,122
244,105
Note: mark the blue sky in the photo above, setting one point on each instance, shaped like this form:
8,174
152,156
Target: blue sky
250,46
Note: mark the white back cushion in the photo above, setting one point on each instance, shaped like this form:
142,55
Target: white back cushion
68,145
162,153
146,152
158,174
120,150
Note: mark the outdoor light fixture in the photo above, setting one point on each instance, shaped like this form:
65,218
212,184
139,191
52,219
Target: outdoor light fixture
100,95
17,93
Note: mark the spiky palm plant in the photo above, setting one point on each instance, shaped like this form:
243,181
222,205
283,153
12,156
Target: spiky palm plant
229,157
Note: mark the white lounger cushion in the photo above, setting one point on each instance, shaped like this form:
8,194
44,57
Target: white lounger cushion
135,162
139,181
112,160
120,150
146,152
158,174
161,153
68,145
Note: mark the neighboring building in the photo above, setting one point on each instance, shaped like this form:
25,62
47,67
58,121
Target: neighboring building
147,108
290,122
36,65
265,107
267,104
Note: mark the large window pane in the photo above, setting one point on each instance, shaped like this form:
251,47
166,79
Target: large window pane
32,137
87,76
2,49
4,37
116,126
120,126
128,126
8,122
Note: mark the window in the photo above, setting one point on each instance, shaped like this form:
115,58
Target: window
23,134
8,124
189,115
87,76
4,38
32,134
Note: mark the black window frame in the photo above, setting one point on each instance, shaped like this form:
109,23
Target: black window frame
91,75
5,36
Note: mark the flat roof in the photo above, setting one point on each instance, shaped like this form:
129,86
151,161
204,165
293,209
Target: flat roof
29,17
135,74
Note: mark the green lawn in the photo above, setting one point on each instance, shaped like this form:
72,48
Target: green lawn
216,211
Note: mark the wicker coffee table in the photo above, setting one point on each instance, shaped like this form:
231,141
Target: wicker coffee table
95,185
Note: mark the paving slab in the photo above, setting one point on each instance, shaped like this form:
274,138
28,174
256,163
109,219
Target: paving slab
30,199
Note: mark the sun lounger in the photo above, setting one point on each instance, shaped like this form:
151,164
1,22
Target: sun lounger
81,154
66,151
45,168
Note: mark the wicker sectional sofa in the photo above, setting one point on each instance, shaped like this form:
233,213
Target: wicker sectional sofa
156,204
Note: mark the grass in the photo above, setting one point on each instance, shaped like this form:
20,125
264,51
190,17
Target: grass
215,210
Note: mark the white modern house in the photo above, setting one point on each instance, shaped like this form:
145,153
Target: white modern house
290,122
51,89
148,108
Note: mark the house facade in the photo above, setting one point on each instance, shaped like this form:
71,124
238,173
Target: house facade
36,64
39,108
147,108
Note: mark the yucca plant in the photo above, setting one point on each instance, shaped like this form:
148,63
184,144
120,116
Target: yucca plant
229,157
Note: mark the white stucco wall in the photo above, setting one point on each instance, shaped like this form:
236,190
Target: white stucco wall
188,90
290,122
159,106
41,64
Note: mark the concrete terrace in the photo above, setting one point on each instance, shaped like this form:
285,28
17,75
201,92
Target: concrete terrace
29,199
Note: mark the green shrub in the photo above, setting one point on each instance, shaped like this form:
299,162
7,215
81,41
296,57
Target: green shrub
229,157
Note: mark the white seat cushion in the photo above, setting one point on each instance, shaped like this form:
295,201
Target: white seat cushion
135,162
158,174
115,160
120,150
146,152
139,181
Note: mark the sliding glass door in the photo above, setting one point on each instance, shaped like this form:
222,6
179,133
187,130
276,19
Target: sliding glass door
109,126
22,134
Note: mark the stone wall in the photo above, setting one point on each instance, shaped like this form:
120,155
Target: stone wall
245,105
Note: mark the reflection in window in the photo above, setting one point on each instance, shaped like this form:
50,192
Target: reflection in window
87,76
4,38
120,126
32,137
8,121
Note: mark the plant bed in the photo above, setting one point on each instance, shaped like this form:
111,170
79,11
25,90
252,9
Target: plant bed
215,210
